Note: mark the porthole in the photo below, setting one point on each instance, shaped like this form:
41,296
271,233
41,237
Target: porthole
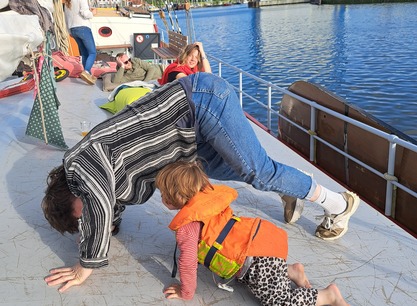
105,31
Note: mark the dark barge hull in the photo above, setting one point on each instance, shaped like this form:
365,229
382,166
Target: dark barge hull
364,146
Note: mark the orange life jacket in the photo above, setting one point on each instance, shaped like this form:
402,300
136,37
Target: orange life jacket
212,208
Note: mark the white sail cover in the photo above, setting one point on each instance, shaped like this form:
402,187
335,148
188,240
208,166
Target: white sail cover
18,35
3,3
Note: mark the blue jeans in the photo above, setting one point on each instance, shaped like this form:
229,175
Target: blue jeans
86,45
228,146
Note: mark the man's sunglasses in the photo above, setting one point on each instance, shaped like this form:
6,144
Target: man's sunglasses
127,62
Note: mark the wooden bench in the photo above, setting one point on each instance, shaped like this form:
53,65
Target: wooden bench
170,51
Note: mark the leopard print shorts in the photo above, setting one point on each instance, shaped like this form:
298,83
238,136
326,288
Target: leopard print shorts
267,278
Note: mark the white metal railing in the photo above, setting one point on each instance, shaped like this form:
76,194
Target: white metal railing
393,140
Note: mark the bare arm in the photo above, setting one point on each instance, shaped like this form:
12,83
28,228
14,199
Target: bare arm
187,239
118,77
180,75
205,61
85,11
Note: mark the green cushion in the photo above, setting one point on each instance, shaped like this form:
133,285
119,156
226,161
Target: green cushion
125,97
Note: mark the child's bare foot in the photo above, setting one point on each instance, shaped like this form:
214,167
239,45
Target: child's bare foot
338,299
331,296
297,275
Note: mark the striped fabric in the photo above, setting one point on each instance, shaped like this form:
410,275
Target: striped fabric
119,159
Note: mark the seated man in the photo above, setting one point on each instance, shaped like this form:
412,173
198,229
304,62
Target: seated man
131,69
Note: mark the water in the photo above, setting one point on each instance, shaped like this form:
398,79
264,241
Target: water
366,54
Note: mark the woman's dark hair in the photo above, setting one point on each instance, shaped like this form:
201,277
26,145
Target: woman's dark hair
57,204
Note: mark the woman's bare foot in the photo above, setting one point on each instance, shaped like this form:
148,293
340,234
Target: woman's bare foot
330,296
297,275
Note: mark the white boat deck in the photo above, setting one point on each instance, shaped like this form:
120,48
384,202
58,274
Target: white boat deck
373,264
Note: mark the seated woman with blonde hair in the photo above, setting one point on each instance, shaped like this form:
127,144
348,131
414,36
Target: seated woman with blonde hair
191,60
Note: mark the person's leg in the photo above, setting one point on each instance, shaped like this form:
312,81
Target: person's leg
263,272
229,147
108,84
231,151
297,275
161,68
330,296
76,33
85,41
90,46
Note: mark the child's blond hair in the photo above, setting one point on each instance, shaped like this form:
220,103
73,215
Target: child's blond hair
188,49
180,181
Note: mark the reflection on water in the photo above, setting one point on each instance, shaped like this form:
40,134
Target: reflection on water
363,53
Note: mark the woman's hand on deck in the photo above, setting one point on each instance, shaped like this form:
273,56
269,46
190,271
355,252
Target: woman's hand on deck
69,276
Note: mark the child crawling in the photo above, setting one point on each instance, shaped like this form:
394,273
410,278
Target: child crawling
251,249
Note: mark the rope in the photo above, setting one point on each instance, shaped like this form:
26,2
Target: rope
38,89
189,21
169,15
390,177
61,32
312,133
176,18
162,16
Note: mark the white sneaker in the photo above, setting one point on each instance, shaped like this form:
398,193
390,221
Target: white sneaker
293,207
335,226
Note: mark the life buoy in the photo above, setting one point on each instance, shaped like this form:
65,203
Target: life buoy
60,74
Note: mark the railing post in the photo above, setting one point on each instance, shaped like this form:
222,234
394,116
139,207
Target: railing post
220,69
241,89
269,114
312,133
389,176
